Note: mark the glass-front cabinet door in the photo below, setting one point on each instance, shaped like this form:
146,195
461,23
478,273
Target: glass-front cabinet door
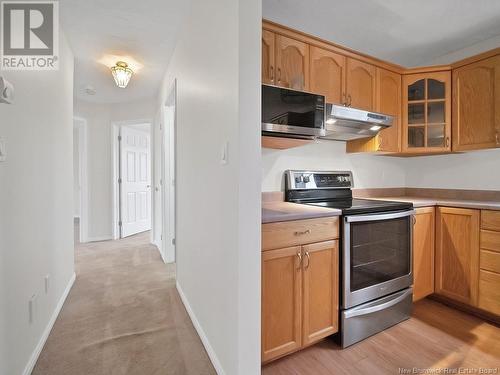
427,112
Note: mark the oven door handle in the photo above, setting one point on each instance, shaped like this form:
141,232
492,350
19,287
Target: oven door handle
393,215
382,306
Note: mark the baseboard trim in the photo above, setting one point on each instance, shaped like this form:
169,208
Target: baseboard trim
38,349
97,239
204,339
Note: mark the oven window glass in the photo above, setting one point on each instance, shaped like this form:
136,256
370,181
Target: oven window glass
380,251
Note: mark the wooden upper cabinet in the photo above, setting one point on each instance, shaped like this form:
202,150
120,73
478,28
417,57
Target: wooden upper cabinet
327,75
281,302
389,102
423,253
361,85
321,284
476,105
292,63
427,112
268,57
457,254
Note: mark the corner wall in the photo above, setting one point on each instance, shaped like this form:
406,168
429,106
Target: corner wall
217,67
36,207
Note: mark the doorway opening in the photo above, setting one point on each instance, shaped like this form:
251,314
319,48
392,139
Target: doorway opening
165,177
80,188
131,178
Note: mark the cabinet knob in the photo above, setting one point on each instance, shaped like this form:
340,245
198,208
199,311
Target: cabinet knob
301,233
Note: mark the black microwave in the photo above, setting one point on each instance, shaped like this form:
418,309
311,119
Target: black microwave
292,113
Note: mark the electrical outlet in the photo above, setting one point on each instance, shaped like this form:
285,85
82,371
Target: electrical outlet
47,279
32,308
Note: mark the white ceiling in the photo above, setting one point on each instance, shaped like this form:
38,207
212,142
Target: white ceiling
405,32
144,30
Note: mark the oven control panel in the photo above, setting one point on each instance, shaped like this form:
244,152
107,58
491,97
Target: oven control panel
297,180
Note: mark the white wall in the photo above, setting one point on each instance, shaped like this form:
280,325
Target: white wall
216,63
477,170
36,203
369,171
99,173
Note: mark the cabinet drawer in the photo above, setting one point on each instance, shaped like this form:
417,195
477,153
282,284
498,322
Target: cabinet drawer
489,291
490,220
490,240
490,261
300,232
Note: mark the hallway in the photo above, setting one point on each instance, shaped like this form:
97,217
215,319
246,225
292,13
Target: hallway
123,316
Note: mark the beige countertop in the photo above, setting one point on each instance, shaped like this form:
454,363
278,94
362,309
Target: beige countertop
426,202
284,211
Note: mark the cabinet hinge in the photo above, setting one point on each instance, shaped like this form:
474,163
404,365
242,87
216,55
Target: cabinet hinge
120,223
119,138
119,180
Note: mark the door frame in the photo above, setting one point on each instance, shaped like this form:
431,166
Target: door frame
168,147
81,125
115,171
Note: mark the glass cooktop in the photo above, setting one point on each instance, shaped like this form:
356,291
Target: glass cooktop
361,206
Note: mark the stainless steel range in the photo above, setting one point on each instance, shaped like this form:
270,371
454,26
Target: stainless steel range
376,257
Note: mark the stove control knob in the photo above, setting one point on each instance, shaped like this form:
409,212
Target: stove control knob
306,179
299,179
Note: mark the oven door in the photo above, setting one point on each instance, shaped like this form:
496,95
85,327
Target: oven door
377,256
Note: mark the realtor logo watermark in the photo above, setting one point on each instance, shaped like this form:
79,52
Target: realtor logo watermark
29,35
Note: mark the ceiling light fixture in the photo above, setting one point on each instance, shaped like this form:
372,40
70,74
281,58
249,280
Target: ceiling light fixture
122,74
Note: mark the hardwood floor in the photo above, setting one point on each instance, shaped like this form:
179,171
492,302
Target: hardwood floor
436,336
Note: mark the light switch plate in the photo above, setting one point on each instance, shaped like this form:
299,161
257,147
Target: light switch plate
3,151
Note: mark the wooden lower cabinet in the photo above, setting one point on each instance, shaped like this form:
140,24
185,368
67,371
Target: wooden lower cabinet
489,262
299,297
457,254
320,297
281,302
423,253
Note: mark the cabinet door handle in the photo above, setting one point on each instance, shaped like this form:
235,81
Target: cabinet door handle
299,256
447,141
301,233
271,74
279,74
350,100
414,219
496,138
308,260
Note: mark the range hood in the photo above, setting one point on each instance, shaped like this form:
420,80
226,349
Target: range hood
346,123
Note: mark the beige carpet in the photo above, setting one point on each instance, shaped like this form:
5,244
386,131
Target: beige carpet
123,316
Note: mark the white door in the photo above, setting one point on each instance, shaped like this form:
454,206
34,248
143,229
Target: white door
135,187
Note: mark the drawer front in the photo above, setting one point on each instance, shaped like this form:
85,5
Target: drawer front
489,291
490,220
490,240
490,261
300,232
